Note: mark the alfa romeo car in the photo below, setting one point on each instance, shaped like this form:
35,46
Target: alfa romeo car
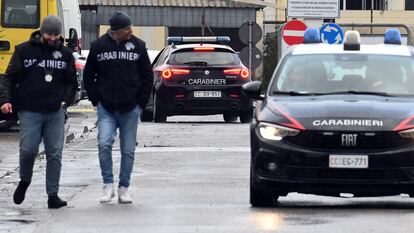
335,120
199,76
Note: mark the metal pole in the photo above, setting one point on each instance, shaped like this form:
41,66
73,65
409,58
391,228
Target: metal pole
250,50
372,13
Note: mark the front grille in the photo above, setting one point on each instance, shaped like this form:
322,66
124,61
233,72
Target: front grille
334,140
348,174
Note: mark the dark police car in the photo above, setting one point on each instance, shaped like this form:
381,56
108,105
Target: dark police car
336,119
199,76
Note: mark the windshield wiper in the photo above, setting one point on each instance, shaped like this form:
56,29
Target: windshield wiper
292,93
196,63
355,93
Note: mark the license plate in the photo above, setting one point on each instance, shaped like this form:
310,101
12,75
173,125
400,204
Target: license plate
348,161
207,94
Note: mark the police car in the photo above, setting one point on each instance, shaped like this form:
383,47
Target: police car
335,120
199,76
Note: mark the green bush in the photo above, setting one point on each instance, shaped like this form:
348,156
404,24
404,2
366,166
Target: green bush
269,58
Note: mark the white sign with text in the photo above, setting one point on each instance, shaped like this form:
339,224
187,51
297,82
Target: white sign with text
313,9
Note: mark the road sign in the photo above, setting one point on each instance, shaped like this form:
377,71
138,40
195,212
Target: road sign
293,31
256,32
256,57
332,33
313,9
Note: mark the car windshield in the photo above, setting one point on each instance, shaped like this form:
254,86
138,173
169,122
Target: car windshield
203,58
347,73
20,13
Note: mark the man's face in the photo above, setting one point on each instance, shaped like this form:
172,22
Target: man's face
51,39
123,34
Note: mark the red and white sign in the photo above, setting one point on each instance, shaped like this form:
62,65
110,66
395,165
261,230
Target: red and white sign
293,32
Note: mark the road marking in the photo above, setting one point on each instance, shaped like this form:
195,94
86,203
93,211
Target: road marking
178,149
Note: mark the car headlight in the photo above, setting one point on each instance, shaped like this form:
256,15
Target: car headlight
409,133
275,132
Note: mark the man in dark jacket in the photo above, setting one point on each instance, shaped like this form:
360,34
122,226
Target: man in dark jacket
42,78
118,79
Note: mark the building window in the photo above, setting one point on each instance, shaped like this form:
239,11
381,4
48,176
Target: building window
364,4
409,4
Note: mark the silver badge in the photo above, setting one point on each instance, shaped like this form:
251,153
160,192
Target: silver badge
48,78
206,72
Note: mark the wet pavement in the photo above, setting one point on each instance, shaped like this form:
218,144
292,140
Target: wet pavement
191,175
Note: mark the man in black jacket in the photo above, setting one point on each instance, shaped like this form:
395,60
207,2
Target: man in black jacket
118,79
42,77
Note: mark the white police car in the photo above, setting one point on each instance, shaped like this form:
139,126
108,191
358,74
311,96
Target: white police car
335,119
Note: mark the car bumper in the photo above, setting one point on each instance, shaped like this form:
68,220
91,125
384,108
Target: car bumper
307,171
180,100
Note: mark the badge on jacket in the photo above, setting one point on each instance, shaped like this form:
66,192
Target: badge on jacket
48,77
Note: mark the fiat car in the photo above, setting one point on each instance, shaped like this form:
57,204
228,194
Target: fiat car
335,120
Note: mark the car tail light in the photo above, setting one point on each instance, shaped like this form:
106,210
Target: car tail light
168,73
244,73
79,66
203,49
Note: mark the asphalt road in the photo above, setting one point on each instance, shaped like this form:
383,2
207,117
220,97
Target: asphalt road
191,174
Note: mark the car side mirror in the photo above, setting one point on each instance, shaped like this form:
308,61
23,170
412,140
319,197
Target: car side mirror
253,90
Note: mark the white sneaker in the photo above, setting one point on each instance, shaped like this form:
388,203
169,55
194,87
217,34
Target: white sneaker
123,195
108,193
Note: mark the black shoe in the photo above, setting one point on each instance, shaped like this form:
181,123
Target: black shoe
20,192
54,202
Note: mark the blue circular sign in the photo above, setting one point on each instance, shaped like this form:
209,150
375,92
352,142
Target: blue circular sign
332,33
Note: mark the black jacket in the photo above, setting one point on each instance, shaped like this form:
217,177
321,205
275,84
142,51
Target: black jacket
118,75
24,83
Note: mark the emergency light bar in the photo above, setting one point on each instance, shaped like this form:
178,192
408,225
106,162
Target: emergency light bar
311,36
392,36
197,39
352,40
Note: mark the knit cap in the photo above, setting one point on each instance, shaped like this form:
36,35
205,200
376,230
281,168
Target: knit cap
119,20
51,25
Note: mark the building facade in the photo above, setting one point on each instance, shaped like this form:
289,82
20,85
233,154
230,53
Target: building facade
367,11
156,19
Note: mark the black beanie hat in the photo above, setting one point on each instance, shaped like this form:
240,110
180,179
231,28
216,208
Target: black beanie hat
51,25
119,20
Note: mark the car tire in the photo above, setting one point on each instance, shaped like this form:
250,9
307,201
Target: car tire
246,116
259,199
7,124
147,116
229,117
159,114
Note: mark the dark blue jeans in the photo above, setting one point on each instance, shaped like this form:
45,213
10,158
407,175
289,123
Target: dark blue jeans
108,122
34,127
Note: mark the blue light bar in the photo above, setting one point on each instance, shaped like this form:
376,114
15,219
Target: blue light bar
311,36
392,36
197,39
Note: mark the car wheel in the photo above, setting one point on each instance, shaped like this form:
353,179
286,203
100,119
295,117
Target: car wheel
259,199
147,116
7,124
159,114
246,116
229,117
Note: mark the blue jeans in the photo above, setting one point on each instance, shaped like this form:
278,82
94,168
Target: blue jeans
34,127
127,123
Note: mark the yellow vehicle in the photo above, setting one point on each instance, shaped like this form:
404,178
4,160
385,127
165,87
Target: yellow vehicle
19,18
